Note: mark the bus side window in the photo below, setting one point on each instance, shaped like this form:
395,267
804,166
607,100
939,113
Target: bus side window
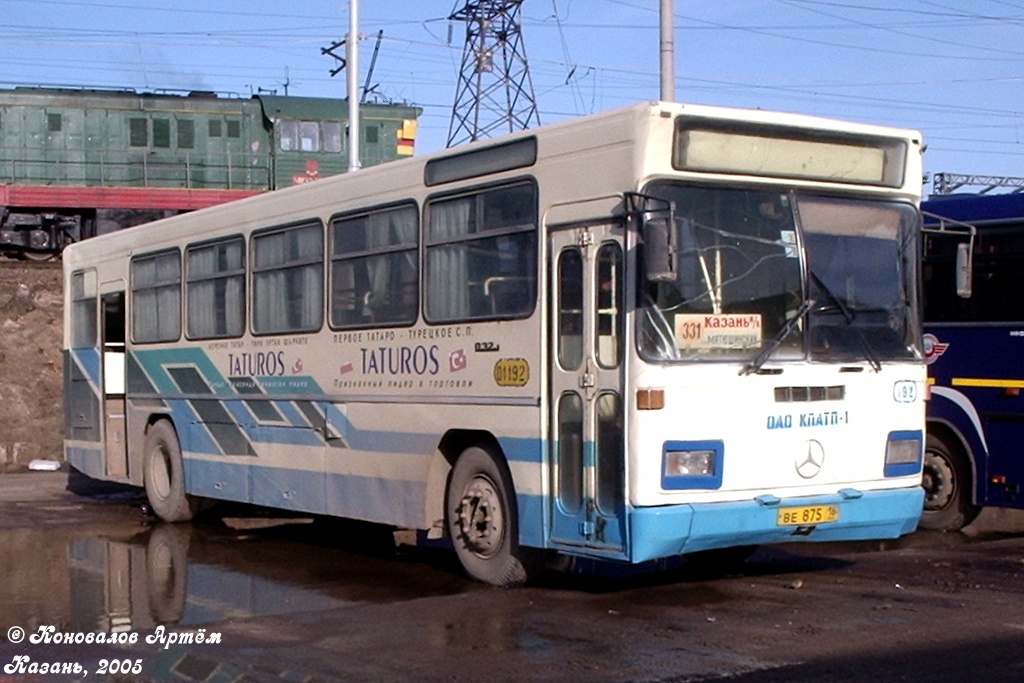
84,333
215,289
156,297
375,268
288,279
481,255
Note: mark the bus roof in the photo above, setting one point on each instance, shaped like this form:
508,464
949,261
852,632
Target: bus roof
975,208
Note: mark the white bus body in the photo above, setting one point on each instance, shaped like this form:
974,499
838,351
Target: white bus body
645,333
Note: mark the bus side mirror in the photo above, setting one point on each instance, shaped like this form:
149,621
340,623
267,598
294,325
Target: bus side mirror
659,246
964,270
657,227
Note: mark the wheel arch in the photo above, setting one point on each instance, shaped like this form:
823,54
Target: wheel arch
139,425
954,438
451,445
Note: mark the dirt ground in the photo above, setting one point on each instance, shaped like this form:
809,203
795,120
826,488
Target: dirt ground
31,404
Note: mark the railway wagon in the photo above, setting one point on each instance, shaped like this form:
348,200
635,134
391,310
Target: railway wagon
78,162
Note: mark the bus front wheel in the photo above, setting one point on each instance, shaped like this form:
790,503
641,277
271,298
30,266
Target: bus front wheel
947,486
482,520
164,475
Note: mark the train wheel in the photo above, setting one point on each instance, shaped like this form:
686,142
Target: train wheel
39,256
947,486
164,475
482,520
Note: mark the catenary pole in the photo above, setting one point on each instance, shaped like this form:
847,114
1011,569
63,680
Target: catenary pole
352,72
667,52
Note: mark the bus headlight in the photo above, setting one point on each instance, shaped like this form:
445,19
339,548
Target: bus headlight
692,465
903,453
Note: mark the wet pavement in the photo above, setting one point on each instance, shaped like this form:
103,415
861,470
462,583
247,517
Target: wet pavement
304,600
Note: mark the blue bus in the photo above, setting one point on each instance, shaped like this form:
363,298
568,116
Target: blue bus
974,335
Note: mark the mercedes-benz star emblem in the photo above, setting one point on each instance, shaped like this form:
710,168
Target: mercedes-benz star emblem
810,463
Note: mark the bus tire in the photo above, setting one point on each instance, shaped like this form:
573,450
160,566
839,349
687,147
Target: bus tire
947,486
164,475
482,522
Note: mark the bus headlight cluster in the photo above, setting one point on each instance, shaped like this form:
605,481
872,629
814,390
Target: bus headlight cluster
903,453
692,465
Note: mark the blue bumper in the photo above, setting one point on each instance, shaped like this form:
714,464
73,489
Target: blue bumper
661,532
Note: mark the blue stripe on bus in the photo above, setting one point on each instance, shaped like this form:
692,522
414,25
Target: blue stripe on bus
89,362
370,440
522,449
532,520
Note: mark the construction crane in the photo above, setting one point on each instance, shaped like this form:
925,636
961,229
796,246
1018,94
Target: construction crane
494,94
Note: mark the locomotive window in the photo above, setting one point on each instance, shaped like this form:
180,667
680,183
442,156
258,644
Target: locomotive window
156,297
332,136
162,133
309,136
215,128
186,133
234,128
289,135
372,135
53,123
138,132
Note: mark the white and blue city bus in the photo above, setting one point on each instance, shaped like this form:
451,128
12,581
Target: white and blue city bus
656,331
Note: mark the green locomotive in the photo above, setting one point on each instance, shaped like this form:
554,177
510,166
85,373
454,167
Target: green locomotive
80,162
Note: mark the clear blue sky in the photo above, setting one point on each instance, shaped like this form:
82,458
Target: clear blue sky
950,68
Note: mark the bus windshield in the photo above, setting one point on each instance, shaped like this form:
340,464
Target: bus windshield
766,273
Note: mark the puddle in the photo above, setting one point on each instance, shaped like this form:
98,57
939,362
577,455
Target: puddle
131,577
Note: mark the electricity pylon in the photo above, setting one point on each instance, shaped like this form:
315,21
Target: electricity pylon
494,94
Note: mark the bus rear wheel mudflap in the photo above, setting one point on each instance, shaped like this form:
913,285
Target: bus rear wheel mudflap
946,479
164,475
481,517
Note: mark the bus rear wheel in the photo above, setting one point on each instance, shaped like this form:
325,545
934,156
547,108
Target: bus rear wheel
482,520
947,486
164,475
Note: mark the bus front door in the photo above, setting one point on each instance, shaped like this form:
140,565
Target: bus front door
587,432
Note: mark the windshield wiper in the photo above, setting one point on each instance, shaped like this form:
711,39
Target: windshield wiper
773,343
869,353
848,315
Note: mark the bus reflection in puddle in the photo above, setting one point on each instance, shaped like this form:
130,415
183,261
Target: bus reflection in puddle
122,586
190,575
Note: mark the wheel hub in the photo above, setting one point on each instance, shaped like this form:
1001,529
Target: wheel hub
480,517
937,482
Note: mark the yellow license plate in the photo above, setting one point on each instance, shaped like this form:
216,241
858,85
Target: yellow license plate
811,514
